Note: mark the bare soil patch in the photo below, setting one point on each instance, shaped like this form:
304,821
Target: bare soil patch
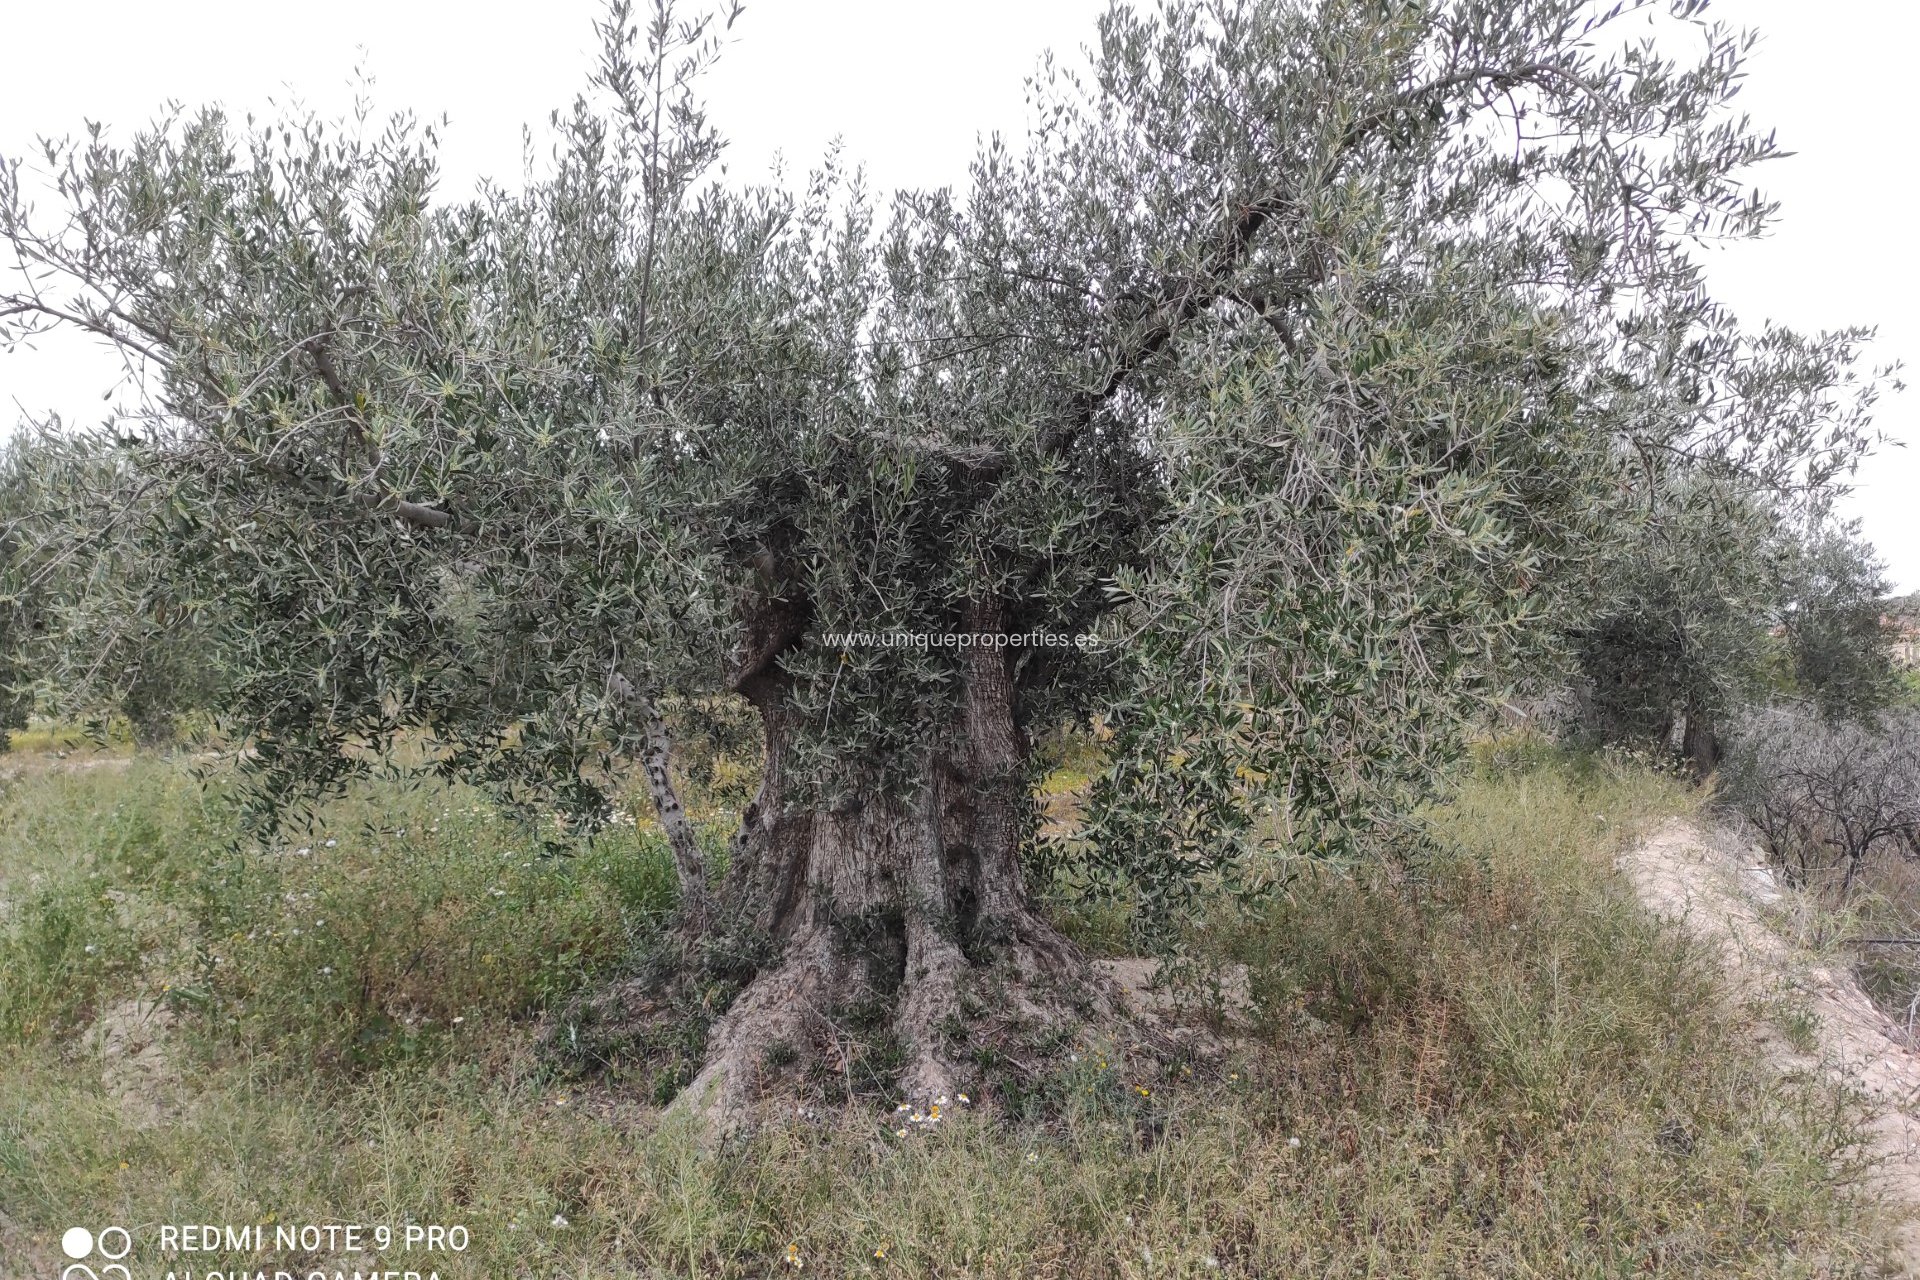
130,1040
1718,889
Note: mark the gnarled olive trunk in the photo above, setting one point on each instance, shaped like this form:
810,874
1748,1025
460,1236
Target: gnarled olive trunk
899,912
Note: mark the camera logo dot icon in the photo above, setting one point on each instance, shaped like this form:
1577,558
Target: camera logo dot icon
113,1242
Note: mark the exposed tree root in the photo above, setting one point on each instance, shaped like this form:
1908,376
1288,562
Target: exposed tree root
901,1015
936,971
780,1014
820,1026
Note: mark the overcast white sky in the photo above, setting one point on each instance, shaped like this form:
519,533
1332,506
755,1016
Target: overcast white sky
909,84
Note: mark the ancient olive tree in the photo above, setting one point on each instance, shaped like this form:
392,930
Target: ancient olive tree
1300,352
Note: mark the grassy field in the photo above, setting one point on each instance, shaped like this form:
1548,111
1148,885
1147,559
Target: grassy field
1487,1063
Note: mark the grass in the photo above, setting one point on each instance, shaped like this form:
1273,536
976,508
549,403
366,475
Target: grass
44,736
1485,1063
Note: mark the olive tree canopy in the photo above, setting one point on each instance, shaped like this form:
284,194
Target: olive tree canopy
1304,352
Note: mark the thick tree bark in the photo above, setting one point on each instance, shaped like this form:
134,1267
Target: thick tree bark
910,899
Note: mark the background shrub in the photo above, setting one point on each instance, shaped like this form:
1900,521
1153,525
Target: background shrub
1824,796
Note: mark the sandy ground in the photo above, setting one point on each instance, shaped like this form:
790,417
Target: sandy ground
1718,889
14,767
130,1040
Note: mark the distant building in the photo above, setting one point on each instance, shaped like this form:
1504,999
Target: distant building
1906,643
1902,618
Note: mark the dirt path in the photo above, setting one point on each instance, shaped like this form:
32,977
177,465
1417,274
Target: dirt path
1718,889
18,765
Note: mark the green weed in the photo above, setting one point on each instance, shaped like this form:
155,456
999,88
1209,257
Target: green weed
1485,1060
